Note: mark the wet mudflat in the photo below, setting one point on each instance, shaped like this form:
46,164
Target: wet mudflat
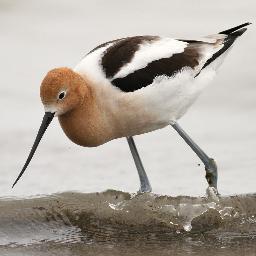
114,223
237,247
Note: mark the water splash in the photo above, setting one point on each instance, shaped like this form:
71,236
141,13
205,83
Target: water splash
185,213
118,216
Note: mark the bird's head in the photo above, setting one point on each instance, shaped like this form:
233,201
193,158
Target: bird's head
62,90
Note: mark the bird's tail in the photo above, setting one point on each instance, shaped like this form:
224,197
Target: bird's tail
231,35
236,31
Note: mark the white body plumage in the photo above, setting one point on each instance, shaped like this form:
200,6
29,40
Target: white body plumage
159,103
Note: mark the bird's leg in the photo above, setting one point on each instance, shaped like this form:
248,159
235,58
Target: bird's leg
144,182
209,163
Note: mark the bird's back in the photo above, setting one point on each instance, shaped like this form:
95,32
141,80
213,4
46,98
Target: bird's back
133,63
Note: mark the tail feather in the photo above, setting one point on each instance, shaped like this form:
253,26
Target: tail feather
235,29
232,35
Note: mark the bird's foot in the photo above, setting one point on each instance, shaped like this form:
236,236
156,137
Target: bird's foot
145,188
212,194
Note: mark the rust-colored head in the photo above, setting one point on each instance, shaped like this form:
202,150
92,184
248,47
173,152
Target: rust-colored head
62,90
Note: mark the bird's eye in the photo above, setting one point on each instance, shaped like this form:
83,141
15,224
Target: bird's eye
62,95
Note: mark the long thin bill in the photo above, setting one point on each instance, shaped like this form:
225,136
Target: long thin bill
48,116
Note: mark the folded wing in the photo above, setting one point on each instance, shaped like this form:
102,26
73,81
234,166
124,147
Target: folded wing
134,62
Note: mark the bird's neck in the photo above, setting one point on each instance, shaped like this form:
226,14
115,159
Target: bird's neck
84,125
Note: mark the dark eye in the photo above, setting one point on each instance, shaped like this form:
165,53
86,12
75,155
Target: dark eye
62,95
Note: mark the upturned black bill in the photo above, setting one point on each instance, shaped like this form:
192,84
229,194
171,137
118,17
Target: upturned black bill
48,116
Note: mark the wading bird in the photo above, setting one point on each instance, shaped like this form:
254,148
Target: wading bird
131,86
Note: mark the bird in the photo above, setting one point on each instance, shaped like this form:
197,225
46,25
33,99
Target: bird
131,86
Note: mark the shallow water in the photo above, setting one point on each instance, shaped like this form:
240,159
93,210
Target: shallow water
37,37
222,121
114,222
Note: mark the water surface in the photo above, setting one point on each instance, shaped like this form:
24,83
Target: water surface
115,222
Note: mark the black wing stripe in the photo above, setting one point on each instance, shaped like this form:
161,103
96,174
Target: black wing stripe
166,66
121,53
103,45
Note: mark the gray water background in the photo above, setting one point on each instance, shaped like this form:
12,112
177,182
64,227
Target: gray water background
36,36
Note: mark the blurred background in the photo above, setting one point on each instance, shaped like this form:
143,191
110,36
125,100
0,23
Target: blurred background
36,36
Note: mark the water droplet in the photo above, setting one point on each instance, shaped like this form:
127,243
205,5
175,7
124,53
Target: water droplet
187,227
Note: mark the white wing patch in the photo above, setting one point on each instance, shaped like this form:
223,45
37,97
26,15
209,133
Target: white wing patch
151,51
90,65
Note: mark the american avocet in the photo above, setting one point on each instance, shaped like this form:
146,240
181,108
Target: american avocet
131,86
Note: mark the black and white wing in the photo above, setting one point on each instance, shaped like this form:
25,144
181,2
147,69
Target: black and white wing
134,62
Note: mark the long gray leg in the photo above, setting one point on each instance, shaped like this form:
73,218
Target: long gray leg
209,163
144,182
